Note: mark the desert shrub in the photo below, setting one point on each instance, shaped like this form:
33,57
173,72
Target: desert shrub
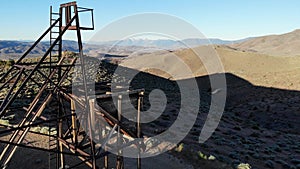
179,148
7,63
4,122
255,127
202,155
44,130
269,163
295,161
238,128
10,62
2,62
255,134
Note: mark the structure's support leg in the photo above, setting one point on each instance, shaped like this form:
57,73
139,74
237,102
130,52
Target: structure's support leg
87,109
138,127
74,122
105,159
105,133
61,160
92,113
119,164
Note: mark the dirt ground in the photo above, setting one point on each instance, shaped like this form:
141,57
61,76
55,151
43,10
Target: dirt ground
260,125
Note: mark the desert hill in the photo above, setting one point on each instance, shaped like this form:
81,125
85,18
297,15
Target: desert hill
259,69
261,110
260,123
277,45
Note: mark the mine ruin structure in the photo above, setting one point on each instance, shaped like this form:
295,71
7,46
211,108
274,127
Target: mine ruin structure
53,106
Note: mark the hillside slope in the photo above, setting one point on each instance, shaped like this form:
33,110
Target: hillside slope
259,69
278,45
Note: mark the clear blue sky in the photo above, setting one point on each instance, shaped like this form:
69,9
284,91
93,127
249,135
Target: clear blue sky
225,19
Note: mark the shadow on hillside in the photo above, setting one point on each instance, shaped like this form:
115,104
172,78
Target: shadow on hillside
271,108
259,126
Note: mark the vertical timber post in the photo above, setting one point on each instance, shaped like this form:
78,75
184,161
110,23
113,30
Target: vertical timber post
74,121
60,112
50,43
119,164
92,113
105,159
87,109
138,128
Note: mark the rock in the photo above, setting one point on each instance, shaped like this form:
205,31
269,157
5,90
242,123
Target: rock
211,157
243,166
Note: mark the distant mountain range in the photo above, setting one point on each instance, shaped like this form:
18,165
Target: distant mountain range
169,44
16,48
279,45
